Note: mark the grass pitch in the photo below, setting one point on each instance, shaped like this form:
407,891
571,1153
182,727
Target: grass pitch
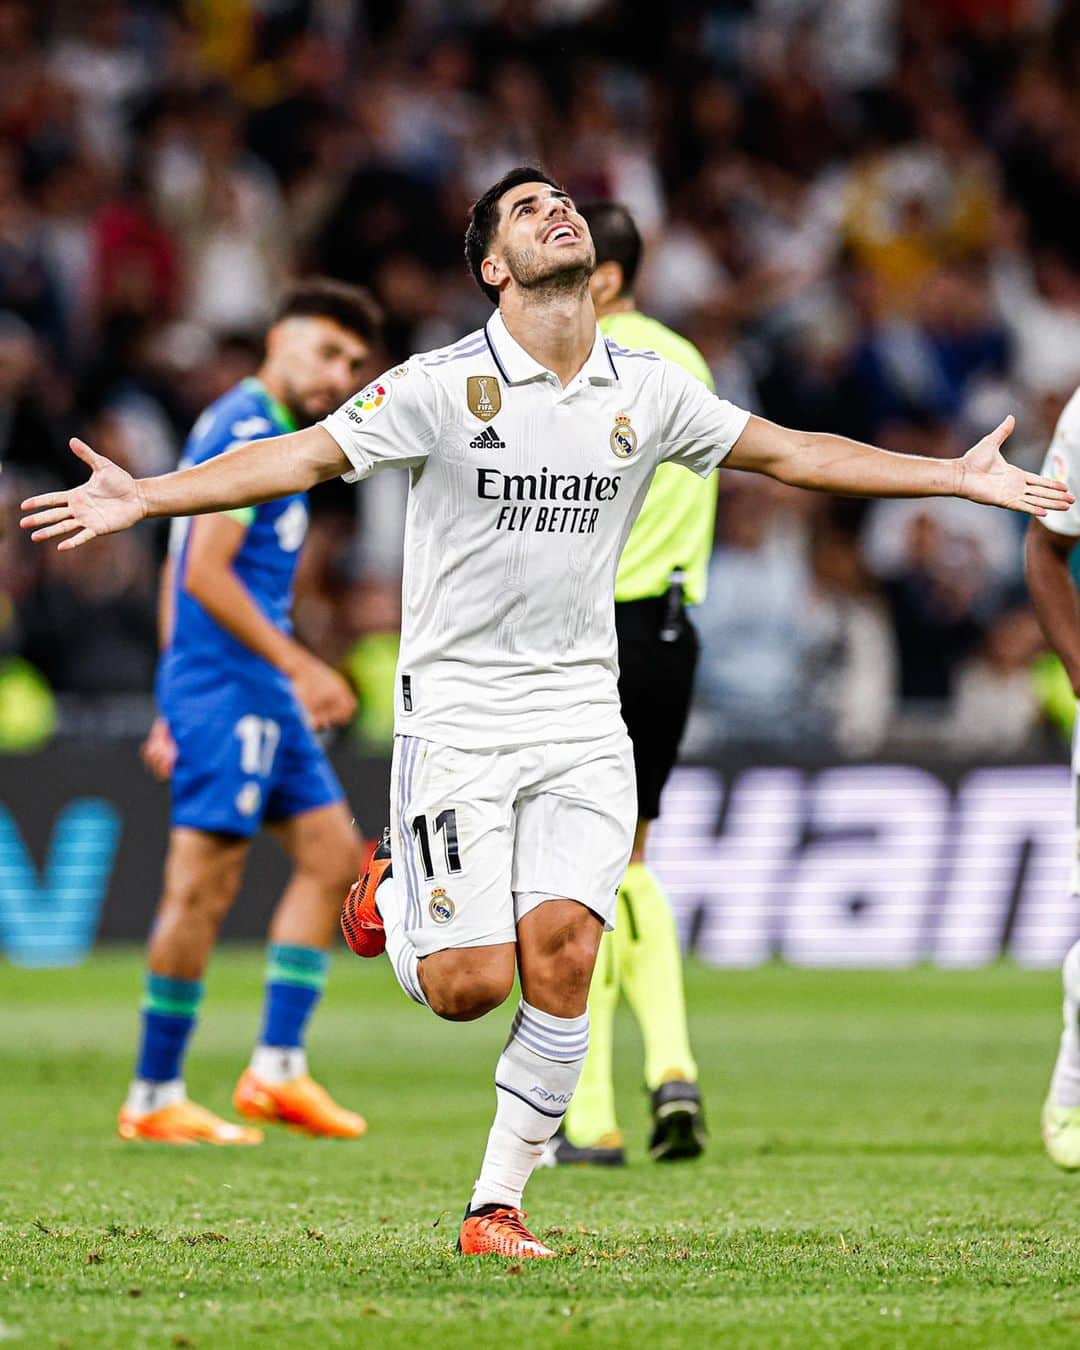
875,1177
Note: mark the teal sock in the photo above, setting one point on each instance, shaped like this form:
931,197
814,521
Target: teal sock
295,980
168,1017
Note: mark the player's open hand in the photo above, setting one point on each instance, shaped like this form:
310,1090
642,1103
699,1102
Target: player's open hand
987,476
324,694
158,751
108,501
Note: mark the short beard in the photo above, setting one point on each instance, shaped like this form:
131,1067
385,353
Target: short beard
565,283
301,416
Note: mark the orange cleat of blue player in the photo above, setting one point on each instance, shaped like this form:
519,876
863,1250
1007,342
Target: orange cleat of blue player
300,1103
183,1122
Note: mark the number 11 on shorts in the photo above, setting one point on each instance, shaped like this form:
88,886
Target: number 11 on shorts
446,825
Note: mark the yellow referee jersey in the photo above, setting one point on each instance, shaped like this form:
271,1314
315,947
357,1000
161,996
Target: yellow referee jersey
675,527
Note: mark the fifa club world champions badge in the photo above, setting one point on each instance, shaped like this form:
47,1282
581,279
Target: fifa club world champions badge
484,396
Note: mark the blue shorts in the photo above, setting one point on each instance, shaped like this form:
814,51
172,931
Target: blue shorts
239,764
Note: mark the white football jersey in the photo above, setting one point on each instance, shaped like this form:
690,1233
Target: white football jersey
1063,461
522,494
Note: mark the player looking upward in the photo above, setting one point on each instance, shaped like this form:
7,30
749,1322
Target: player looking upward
241,700
662,570
530,446
1053,593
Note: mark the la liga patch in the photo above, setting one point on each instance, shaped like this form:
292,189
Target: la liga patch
374,397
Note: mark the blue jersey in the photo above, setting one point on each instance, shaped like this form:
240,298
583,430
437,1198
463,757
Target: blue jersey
244,750
202,659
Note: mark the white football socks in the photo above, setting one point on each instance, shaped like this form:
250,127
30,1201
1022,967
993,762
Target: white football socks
279,1063
399,949
535,1079
146,1095
1065,1084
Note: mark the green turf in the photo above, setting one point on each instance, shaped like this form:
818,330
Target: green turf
875,1178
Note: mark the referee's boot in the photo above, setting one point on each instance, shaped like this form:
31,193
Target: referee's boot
608,1151
361,921
678,1122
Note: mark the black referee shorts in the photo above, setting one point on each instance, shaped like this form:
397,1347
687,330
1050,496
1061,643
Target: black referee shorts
655,682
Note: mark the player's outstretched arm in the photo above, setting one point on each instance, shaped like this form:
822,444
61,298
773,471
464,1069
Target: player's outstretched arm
835,464
111,500
1053,593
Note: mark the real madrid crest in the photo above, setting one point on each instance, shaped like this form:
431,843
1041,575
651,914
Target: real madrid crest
623,438
440,907
483,395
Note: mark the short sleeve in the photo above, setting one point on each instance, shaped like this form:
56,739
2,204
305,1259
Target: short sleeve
393,423
1063,462
698,430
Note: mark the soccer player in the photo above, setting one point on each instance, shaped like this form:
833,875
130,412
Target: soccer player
241,701
1053,592
530,446
661,571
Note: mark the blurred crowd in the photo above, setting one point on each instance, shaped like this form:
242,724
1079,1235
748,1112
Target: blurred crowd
863,211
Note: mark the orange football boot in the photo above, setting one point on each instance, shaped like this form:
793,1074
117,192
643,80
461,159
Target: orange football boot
301,1103
183,1123
498,1230
361,921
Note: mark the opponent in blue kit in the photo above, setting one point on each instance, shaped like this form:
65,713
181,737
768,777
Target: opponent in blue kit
241,702
246,750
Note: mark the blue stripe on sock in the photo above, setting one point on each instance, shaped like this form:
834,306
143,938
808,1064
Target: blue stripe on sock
164,1041
560,1051
169,1010
286,1012
566,1042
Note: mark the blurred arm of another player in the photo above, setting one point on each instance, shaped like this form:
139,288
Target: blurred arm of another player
210,579
829,463
1047,549
1053,594
158,751
111,500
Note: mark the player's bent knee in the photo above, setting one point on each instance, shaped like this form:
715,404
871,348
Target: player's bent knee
459,1002
461,988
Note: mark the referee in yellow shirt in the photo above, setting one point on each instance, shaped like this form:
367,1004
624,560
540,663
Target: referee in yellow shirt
662,571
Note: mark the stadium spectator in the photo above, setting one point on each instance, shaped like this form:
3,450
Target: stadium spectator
850,663
750,672
91,630
997,704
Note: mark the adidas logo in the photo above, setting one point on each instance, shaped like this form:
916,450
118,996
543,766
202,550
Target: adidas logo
488,440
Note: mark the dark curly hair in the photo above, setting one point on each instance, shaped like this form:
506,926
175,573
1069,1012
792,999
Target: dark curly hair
322,298
484,220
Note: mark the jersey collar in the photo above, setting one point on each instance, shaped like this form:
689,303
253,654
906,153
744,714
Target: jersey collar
516,366
282,415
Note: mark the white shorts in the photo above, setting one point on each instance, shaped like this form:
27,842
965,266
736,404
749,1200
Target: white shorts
481,837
